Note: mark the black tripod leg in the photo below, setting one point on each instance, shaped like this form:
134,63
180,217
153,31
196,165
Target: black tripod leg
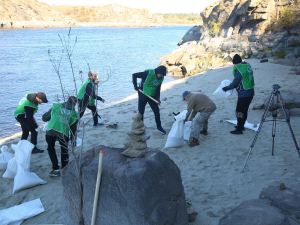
273,133
290,127
259,128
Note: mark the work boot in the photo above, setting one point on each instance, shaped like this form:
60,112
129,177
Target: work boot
236,131
35,150
204,132
54,173
161,130
236,127
194,142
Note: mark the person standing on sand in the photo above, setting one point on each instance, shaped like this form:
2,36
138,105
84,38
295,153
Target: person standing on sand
244,83
62,120
86,97
202,107
27,107
150,85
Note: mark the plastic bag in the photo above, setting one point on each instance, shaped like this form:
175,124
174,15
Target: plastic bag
11,169
5,156
220,92
24,178
176,135
187,130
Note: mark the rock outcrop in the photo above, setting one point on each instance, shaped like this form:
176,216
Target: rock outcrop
234,27
144,190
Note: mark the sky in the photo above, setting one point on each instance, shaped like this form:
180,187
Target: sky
154,6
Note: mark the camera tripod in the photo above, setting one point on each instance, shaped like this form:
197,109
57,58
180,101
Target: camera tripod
274,93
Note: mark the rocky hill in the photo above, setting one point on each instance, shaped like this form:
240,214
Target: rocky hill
251,28
32,13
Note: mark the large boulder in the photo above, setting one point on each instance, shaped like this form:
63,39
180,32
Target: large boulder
289,100
196,33
255,212
144,190
287,200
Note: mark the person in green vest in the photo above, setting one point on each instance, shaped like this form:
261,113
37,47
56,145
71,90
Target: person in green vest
87,97
150,85
243,82
62,123
24,112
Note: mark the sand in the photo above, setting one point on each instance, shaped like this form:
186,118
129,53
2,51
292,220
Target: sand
211,172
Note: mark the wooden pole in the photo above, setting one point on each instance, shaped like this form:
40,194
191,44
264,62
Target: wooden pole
97,188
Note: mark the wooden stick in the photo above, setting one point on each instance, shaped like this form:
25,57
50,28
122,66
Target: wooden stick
97,187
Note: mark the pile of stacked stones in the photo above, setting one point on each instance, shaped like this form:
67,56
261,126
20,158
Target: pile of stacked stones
136,141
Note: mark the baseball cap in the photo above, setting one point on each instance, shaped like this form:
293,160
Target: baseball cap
184,94
42,96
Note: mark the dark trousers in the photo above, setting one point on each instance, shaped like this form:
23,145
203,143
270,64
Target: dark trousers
154,107
241,111
83,104
26,128
64,151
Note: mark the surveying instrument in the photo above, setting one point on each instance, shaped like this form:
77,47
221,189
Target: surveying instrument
275,93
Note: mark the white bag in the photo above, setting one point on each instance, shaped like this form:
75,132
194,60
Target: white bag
220,92
176,135
18,213
24,178
187,130
5,156
11,169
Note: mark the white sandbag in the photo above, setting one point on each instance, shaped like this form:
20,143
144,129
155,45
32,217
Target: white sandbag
24,178
16,214
220,92
247,125
176,135
5,156
187,130
11,169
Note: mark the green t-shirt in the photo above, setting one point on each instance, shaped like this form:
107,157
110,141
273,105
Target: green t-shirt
25,102
151,83
247,75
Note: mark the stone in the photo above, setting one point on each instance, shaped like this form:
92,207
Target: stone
144,190
258,106
280,114
255,212
127,143
137,117
137,124
287,200
140,130
294,112
134,153
164,99
139,145
289,100
140,137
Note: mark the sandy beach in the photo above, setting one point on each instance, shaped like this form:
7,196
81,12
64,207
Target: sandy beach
211,172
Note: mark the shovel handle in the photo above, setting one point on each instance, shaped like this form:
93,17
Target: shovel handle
156,101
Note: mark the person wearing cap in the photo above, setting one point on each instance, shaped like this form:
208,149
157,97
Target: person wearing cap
150,85
86,97
62,121
24,112
243,82
201,107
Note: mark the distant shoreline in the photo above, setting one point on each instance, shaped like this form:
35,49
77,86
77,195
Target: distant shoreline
58,24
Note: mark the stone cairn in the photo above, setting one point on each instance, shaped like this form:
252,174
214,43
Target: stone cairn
136,141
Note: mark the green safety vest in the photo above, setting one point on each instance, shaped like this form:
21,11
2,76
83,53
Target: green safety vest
61,119
151,83
82,91
25,102
247,75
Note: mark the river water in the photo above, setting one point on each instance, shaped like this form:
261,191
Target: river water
120,52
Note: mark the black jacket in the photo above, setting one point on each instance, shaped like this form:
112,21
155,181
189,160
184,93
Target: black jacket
143,76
